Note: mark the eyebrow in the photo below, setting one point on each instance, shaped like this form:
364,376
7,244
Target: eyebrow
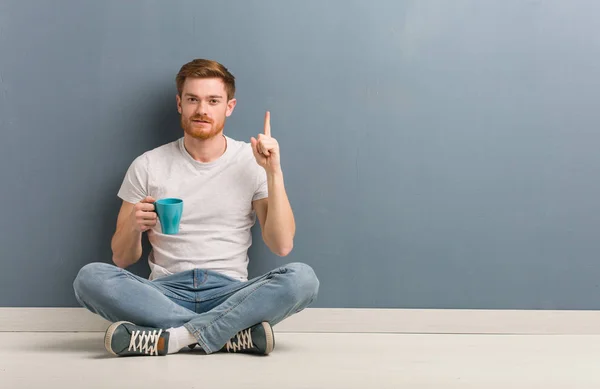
210,97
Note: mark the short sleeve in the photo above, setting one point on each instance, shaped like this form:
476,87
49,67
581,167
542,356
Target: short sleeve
262,188
135,184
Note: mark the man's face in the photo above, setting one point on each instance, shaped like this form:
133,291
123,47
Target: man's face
203,106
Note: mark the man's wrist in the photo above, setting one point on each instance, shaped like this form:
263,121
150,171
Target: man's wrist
275,173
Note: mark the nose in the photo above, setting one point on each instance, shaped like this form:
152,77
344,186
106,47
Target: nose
201,108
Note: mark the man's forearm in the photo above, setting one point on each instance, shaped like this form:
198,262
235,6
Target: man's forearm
126,246
280,226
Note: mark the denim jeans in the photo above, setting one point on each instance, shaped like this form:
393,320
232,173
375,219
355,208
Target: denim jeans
212,306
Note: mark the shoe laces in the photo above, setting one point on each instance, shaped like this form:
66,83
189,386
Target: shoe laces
244,341
145,341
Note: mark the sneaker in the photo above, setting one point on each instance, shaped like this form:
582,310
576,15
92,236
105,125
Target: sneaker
124,339
258,339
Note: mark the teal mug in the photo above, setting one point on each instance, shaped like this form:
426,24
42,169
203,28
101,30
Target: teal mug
169,214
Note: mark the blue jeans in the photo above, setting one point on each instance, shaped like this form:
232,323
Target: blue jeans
212,306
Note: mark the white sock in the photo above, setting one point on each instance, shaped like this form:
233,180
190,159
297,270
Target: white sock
179,338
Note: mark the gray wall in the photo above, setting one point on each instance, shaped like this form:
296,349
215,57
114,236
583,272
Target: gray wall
438,154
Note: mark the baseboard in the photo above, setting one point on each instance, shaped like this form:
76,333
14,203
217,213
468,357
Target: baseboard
426,321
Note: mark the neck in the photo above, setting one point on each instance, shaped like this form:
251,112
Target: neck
205,150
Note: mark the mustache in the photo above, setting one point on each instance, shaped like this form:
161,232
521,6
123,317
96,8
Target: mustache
202,118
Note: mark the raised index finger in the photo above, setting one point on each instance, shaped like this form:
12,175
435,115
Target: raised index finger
268,123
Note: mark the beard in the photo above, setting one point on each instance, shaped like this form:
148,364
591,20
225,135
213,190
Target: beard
201,131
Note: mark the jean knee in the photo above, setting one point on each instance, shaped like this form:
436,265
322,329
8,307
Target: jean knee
90,278
303,281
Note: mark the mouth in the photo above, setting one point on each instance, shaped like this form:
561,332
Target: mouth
200,122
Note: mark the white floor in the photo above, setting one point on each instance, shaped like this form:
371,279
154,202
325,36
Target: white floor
323,360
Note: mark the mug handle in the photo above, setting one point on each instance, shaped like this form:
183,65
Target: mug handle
154,204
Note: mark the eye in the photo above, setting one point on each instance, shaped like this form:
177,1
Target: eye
214,101
192,99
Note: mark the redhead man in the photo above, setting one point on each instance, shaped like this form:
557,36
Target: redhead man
198,292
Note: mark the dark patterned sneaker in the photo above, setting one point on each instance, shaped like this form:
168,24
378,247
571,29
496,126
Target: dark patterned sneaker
258,339
124,339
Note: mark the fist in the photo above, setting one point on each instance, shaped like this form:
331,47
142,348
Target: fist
143,216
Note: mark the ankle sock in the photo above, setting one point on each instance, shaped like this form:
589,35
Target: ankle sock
179,338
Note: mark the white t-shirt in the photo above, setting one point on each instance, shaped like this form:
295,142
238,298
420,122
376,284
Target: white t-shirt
214,232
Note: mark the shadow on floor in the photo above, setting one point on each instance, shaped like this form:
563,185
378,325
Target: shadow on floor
73,343
93,345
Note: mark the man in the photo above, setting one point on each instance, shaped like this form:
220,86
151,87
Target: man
198,291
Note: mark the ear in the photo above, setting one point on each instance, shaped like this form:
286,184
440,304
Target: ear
179,104
230,106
